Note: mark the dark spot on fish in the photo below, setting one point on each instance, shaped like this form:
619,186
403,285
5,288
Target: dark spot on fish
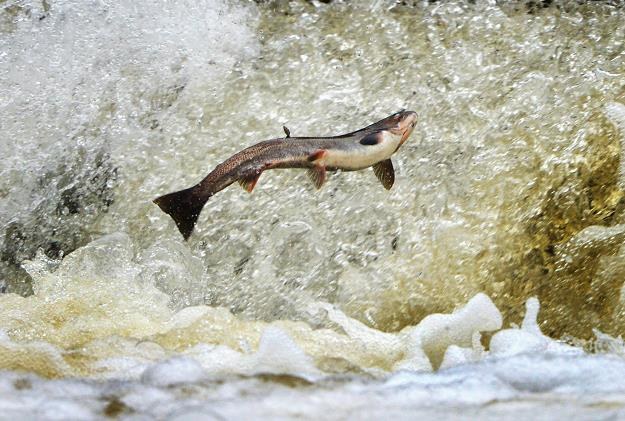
394,242
371,139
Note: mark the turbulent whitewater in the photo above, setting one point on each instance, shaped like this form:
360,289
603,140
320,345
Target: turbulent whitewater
487,283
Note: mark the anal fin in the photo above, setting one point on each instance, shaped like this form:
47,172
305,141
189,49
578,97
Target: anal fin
385,173
248,183
317,175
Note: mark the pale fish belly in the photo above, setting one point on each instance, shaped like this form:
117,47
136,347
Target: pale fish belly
362,156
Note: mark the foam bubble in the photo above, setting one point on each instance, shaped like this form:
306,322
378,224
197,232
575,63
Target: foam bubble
456,355
172,371
277,353
434,334
528,338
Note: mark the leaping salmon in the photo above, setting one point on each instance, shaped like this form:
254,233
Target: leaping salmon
370,146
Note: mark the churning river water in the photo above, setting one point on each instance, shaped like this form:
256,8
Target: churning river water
487,283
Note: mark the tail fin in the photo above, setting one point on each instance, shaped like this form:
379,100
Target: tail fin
184,207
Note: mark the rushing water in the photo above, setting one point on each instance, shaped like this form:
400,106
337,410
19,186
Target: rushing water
293,301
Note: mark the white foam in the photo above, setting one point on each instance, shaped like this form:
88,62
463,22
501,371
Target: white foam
521,361
456,355
277,353
435,333
173,371
579,386
422,347
528,338
145,399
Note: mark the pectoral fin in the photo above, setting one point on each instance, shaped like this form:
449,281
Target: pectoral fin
318,155
385,173
248,183
317,175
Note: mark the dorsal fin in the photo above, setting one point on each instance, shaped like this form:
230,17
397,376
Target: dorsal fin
385,173
317,175
248,183
287,132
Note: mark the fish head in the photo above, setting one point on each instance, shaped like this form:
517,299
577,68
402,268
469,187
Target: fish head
401,124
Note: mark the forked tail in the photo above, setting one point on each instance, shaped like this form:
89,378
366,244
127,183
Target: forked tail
184,207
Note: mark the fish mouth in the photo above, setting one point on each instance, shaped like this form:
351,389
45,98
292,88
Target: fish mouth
406,121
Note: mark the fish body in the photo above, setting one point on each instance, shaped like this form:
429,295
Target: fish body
371,146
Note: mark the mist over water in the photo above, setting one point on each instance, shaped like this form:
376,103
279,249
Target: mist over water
510,187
